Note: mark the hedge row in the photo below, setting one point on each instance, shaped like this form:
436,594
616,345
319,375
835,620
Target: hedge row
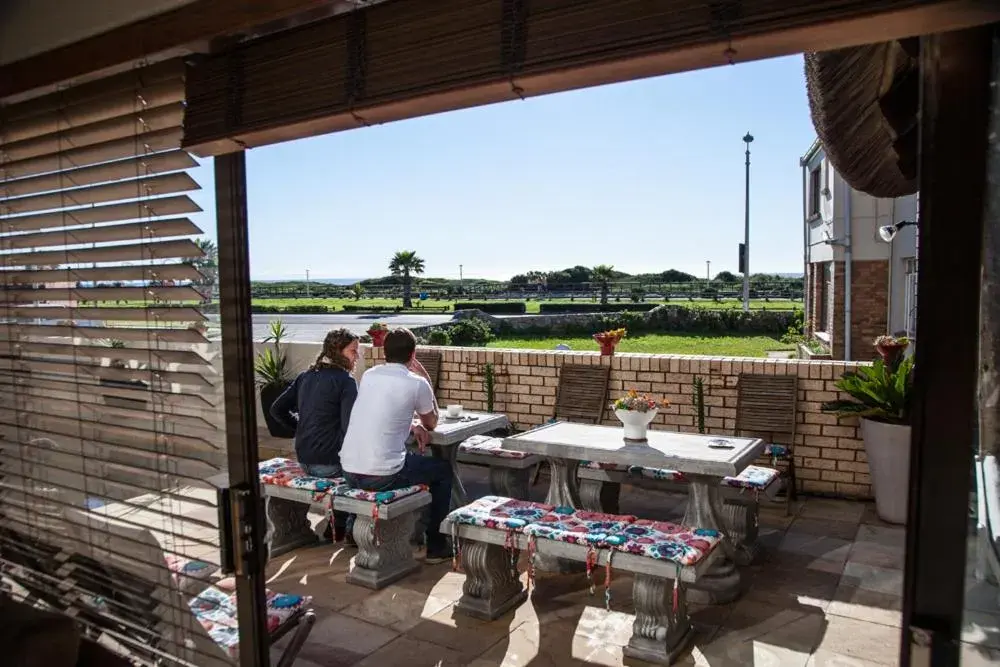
545,308
493,307
348,308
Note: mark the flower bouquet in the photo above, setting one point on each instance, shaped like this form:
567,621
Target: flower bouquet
378,331
891,349
635,411
608,340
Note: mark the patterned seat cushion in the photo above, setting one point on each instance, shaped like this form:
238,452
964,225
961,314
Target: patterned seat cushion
668,541
188,572
660,474
378,497
596,465
777,451
587,528
487,446
287,472
215,609
754,477
500,512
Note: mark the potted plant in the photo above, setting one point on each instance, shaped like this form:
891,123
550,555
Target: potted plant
881,397
273,376
378,331
635,411
608,340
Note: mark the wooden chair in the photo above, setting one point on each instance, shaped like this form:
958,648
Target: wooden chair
766,408
582,396
431,361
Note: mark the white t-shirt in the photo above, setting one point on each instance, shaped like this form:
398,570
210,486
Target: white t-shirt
375,443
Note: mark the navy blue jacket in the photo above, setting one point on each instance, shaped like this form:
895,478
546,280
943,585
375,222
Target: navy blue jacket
323,399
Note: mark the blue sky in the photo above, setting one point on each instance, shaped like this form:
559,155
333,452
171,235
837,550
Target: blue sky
646,175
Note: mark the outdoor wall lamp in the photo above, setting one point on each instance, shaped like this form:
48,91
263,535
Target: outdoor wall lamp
888,233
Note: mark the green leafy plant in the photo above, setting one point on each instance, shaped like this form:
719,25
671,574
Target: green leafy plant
699,403
439,337
489,385
471,332
271,364
881,392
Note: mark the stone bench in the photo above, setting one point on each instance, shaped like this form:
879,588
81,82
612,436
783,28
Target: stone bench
665,558
509,470
383,523
600,487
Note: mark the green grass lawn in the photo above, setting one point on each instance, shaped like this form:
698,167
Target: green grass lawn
729,346
337,305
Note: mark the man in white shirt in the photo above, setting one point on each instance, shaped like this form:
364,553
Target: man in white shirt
374,455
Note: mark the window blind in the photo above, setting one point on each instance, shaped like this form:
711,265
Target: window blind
110,392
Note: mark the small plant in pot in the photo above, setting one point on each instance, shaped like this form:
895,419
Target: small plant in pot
608,340
881,397
378,331
635,411
273,376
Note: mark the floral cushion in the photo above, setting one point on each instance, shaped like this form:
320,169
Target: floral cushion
287,472
187,572
587,528
661,474
215,609
754,477
777,451
668,541
596,465
487,446
500,512
379,497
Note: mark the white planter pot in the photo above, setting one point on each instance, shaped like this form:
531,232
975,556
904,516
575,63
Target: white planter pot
888,449
635,423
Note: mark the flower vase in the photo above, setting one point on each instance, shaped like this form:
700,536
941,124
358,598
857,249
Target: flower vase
378,336
607,348
635,423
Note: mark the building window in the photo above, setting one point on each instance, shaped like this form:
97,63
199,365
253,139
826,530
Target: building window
815,185
910,300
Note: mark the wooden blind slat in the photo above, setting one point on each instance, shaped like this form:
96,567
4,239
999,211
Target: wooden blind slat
146,208
176,272
163,184
132,252
133,231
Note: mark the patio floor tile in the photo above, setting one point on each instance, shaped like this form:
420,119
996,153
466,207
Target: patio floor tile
865,605
872,642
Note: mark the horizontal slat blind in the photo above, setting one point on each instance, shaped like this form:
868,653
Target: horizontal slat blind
110,393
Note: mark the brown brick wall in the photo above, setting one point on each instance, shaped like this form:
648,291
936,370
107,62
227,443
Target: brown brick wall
829,454
869,300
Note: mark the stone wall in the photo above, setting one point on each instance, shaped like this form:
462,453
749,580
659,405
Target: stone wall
829,455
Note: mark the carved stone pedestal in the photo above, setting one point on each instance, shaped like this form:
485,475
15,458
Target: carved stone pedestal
492,586
288,526
600,495
509,482
660,633
386,560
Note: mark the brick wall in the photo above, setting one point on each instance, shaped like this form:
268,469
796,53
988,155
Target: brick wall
869,300
830,457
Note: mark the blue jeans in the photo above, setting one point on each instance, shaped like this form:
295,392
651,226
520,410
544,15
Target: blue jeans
342,521
417,469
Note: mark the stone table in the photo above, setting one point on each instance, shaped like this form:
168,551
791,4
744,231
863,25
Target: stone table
451,432
565,444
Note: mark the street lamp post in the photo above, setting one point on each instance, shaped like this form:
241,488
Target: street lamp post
748,139
308,291
708,273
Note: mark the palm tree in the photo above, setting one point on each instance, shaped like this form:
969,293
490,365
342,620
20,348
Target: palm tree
406,264
603,274
538,279
208,265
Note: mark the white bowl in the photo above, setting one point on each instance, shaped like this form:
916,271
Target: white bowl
454,410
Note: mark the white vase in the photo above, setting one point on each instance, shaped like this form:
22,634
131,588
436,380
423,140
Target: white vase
888,450
635,422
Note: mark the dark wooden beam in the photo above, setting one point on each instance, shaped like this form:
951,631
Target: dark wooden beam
195,22
956,69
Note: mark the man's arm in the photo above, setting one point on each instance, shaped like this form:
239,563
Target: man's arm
285,404
426,407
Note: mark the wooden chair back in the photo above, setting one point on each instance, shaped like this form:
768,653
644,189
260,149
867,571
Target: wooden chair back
582,395
431,361
766,407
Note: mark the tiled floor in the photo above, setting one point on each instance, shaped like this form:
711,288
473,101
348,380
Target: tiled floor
826,592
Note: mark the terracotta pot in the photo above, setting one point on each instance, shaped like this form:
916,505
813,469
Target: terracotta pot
635,423
888,450
607,348
378,336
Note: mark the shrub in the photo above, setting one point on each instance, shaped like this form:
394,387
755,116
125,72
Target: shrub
270,310
354,308
470,332
305,309
438,337
593,307
495,307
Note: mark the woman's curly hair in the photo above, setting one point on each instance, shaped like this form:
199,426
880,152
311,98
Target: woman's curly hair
332,354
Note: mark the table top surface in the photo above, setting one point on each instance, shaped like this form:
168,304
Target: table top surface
689,453
451,431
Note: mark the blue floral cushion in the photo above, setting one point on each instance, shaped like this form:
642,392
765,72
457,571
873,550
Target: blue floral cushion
500,512
754,477
288,473
487,446
668,541
378,497
587,528
661,474
596,465
777,451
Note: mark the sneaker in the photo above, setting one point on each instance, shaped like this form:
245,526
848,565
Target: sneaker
438,553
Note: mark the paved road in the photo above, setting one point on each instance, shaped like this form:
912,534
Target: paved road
312,328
